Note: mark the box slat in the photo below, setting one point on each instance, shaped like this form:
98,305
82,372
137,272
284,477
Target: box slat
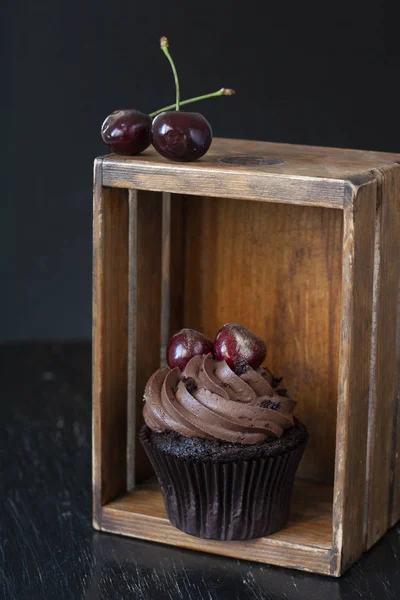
354,373
145,217
305,542
110,325
173,255
246,185
295,160
384,354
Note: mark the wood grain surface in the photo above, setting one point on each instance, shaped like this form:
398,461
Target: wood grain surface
354,374
305,541
394,500
391,248
383,393
307,175
110,341
145,218
173,257
317,161
276,269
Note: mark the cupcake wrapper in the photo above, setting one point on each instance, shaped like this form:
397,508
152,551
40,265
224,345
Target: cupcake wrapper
226,501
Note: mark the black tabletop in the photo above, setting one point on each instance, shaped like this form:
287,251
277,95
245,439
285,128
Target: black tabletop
48,549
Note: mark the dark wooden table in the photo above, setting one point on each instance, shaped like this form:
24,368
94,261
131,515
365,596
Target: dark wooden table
48,549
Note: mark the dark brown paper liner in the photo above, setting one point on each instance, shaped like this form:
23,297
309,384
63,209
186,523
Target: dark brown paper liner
226,501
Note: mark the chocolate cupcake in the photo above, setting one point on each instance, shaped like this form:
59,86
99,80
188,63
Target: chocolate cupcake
224,445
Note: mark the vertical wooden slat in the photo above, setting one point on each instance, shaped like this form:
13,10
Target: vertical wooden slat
354,374
393,257
394,498
110,323
145,222
173,256
384,355
132,316
165,274
177,271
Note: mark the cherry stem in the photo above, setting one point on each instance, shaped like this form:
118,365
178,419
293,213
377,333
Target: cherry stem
221,92
164,48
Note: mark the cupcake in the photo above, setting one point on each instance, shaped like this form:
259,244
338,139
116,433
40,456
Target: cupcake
220,433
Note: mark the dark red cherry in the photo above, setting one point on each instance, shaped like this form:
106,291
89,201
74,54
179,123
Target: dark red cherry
185,344
182,136
234,343
127,131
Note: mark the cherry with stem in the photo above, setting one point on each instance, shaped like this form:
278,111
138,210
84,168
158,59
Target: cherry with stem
177,135
129,131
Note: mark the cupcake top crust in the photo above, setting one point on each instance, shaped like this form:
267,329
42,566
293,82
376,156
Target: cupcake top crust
211,400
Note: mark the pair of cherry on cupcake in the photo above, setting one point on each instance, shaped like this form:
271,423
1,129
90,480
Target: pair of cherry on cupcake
234,343
176,135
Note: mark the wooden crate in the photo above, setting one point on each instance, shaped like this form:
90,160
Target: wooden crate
301,244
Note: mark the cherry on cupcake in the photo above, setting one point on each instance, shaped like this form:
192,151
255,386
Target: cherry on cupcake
127,131
184,345
234,343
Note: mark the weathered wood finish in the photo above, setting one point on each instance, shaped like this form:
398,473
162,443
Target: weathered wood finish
305,542
308,175
394,499
173,244
245,185
145,317
312,266
260,248
354,373
110,324
392,183
383,400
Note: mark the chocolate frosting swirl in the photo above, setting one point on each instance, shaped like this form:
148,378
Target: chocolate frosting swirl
208,400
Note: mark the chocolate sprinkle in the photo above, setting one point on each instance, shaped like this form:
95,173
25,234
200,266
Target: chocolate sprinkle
174,388
241,366
189,384
271,405
276,381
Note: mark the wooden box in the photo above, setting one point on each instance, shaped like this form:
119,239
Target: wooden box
302,245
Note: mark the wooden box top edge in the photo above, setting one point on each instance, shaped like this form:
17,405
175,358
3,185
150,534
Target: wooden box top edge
265,158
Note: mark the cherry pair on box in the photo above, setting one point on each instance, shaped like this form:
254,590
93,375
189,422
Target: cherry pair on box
176,135
180,136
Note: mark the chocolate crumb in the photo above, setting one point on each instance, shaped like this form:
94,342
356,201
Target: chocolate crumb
241,366
276,381
271,405
174,388
189,384
225,384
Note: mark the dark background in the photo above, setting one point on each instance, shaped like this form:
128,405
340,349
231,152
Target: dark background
324,76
